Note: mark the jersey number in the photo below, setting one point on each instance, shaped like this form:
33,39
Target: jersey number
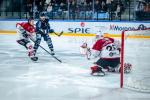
111,47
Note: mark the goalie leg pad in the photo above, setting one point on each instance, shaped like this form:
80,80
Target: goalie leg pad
127,68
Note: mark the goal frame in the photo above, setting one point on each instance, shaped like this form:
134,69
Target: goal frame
122,53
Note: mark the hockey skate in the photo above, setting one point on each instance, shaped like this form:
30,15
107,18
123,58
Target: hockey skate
97,71
34,58
52,52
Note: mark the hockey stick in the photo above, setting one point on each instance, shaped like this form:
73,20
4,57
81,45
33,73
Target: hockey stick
47,51
59,33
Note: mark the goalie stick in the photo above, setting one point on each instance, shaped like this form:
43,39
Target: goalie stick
47,51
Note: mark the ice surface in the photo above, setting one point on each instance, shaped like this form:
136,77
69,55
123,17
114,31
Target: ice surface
47,79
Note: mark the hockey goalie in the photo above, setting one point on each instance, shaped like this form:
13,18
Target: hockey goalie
107,50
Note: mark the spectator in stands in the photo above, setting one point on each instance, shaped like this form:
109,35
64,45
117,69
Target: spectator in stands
29,9
103,5
82,9
89,10
97,6
139,10
147,7
122,7
58,1
118,11
40,7
126,2
109,8
55,9
108,3
63,10
45,6
80,2
63,6
36,12
48,1
49,10
72,10
89,1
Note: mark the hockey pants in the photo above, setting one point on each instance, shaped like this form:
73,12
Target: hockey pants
27,44
46,38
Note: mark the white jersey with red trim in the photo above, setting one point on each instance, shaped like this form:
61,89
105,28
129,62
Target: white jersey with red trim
25,27
109,48
110,51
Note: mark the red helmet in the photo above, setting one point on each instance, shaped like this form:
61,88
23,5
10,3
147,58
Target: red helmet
29,19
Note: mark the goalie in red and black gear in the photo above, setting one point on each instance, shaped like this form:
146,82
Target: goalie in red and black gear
108,51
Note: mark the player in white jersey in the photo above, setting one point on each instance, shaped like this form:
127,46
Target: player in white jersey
26,31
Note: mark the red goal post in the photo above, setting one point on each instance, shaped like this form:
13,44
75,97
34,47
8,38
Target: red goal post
134,37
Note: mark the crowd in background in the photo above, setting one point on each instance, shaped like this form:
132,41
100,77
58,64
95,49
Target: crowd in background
143,9
77,8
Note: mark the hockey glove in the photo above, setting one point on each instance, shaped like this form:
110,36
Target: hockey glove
24,34
41,31
51,31
46,20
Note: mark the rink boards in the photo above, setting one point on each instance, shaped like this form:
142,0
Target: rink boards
84,35
82,28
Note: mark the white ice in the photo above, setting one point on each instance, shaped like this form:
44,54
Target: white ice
47,79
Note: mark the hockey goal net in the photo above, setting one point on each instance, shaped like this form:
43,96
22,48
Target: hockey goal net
136,51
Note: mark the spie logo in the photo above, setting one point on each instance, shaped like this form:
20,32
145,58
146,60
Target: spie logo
81,29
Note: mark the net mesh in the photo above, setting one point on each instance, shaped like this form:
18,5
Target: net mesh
137,52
